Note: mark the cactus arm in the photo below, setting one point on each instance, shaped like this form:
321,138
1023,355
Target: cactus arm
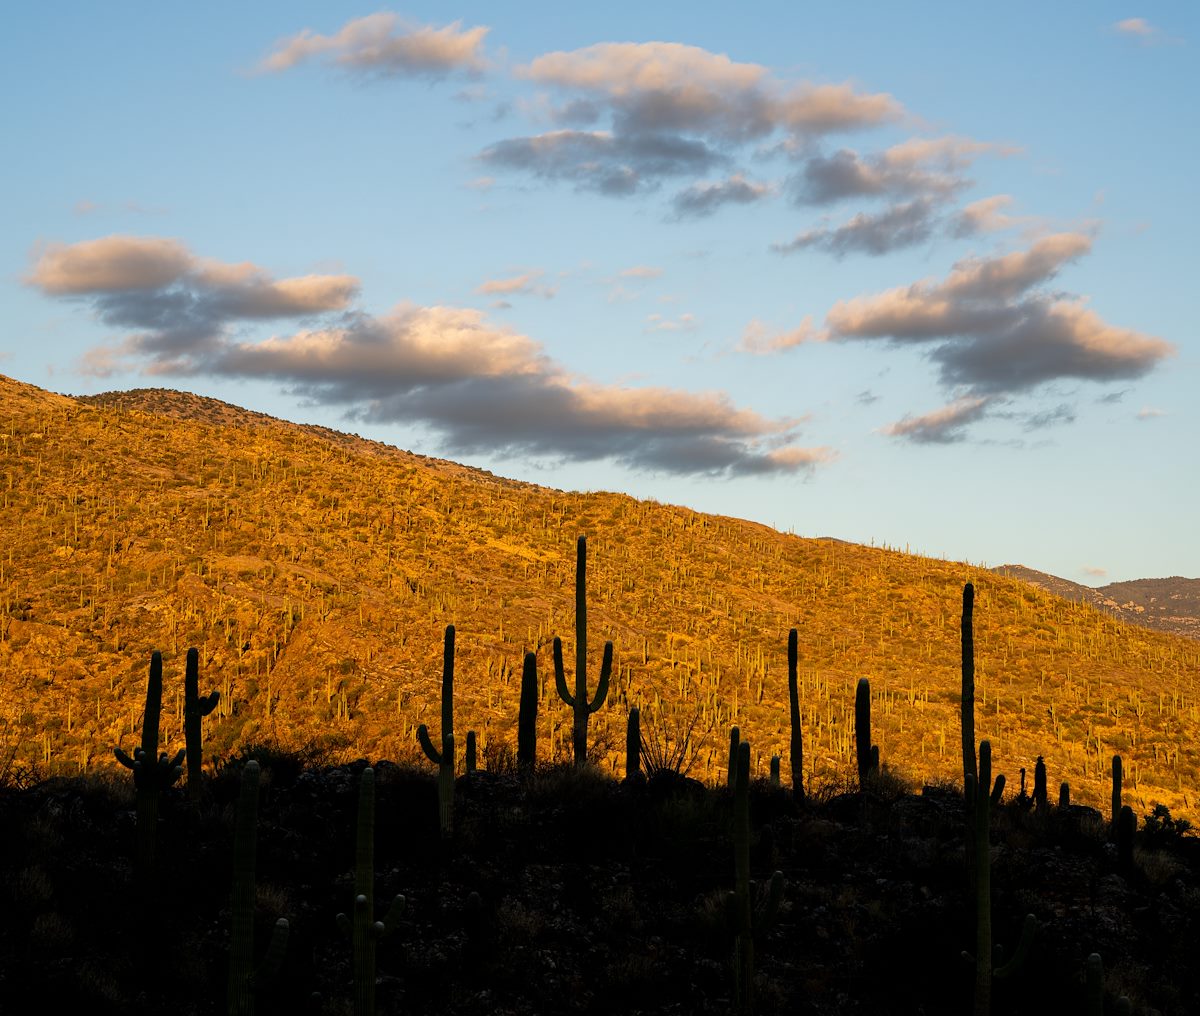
605,673
998,790
125,760
1014,966
153,707
273,960
560,678
431,752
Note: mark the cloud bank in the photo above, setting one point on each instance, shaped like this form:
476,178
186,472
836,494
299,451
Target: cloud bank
481,387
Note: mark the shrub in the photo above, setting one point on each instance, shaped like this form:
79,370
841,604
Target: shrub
1159,829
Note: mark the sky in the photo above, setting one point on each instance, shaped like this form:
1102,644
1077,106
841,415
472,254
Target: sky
917,276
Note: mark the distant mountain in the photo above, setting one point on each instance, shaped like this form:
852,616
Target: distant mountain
1170,604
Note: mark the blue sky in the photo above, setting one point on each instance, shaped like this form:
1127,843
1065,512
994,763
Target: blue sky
920,277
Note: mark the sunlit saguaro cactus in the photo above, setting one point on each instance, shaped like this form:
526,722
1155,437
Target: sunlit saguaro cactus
580,706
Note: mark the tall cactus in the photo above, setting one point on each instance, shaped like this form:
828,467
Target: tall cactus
363,930
244,980
444,759
152,772
1126,827
578,702
735,739
633,746
749,918
1117,773
195,708
527,717
866,753
1040,800
988,962
968,681
797,745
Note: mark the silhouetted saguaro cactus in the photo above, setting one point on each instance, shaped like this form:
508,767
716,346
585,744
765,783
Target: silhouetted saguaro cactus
797,743
1117,774
152,772
470,759
527,717
244,980
363,930
1040,800
195,708
988,962
579,704
633,745
775,760
967,630
1126,826
735,739
748,917
444,759
1095,990
1064,795
866,753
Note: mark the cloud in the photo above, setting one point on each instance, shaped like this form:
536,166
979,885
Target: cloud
174,301
1148,413
667,87
659,109
1094,571
760,338
526,282
383,44
683,323
600,161
703,199
897,227
640,272
995,331
1138,27
1044,418
986,216
942,426
929,167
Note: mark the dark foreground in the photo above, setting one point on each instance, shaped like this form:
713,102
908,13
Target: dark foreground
572,893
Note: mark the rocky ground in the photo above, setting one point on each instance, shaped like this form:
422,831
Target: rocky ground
571,893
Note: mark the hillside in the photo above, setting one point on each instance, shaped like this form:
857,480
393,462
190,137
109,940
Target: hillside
1170,604
317,572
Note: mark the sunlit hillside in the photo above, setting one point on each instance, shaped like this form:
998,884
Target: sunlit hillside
317,571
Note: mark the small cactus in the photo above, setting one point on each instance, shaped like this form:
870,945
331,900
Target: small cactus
527,717
195,708
579,704
1064,795
444,759
244,980
775,783
470,759
1095,990
363,930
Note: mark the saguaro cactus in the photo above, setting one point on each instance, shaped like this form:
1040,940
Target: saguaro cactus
244,980
578,702
968,681
152,772
797,745
527,717
444,759
363,930
195,708
1117,773
867,754
1040,800
633,746
735,739
988,962
1126,826
749,918
1095,990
